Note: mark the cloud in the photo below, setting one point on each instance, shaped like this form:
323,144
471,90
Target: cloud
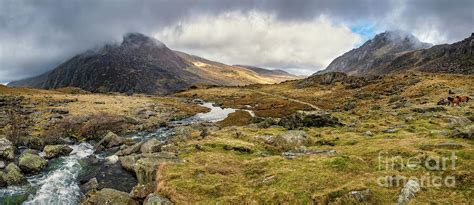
36,36
257,38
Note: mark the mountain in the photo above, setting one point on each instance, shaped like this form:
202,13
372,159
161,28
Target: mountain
374,55
279,74
141,64
455,58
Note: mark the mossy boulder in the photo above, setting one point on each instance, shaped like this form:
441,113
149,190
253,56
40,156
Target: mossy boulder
31,163
108,196
13,175
145,168
7,150
52,151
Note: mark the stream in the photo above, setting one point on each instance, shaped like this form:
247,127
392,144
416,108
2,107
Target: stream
59,183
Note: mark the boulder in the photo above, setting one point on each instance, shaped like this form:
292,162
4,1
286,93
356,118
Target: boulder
13,175
111,140
130,150
108,196
145,168
52,151
141,191
128,162
2,165
408,192
150,146
154,199
111,159
31,163
309,119
7,150
92,184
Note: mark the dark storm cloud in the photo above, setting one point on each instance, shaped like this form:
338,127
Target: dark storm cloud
36,35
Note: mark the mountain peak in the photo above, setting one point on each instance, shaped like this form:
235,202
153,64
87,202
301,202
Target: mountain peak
375,54
400,38
139,39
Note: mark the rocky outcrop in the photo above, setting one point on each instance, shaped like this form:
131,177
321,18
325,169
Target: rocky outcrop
108,196
309,119
31,163
52,151
330,78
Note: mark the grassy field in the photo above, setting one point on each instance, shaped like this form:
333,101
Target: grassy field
387,123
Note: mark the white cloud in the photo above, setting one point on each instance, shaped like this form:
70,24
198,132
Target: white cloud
257,38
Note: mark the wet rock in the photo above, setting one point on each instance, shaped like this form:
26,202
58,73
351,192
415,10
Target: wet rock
429,109
111,140
13,175
309,119
128,162
52,151
108,196
154,199
150,146
111,159
92,184
408,192
145,168
31,163
130,150
7,150
141,191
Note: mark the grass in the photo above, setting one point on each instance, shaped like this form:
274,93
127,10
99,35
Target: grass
218,175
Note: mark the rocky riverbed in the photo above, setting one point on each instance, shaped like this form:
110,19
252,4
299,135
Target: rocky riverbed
115,169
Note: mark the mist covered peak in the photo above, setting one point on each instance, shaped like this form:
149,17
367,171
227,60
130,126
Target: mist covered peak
139,40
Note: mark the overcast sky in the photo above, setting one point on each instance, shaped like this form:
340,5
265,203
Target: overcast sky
298,36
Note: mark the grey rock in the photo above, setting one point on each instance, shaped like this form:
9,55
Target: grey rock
2,165
130,150
150,146
154,199
92,184
7,150
111,140
455,90
408,192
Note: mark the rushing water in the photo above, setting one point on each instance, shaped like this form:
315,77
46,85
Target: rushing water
59,184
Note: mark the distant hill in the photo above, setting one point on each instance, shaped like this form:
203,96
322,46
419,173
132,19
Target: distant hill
142,64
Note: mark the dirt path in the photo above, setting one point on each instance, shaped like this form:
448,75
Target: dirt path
286,98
